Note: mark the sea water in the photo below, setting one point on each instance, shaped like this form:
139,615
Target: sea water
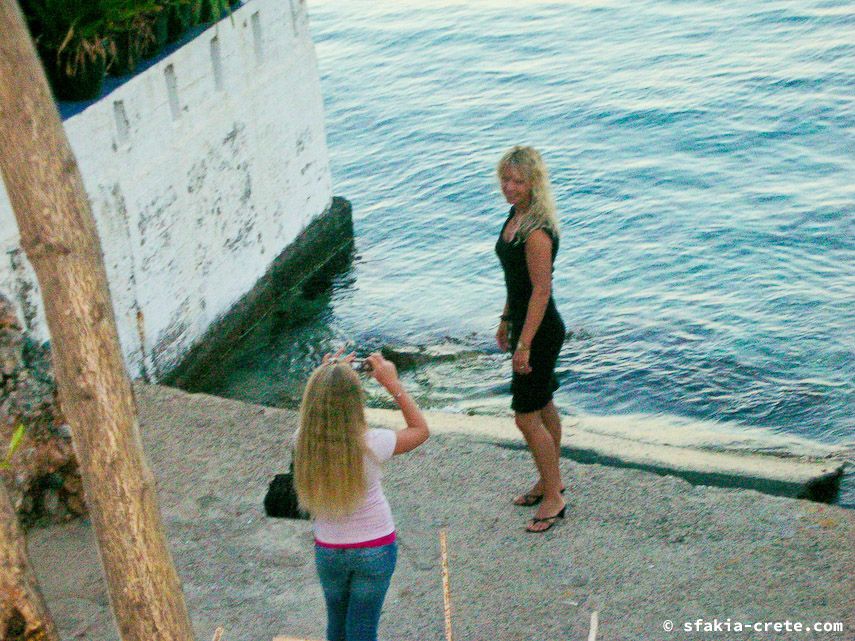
702,155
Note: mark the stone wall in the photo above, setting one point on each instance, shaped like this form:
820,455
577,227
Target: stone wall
200,171
41,476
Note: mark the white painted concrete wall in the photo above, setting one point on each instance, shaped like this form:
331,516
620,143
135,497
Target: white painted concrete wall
200,171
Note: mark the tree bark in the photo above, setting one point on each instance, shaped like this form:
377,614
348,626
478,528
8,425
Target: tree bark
59,237
23,613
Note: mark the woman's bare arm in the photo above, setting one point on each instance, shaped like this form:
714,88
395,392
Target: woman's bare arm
538,258
417,431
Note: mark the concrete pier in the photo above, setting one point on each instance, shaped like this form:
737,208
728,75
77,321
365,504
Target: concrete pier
794,469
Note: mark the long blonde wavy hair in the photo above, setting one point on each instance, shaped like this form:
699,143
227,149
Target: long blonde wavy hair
542,212
330,449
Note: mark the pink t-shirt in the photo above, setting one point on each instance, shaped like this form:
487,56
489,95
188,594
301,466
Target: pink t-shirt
373,519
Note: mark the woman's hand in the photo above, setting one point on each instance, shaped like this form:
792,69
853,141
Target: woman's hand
384,372
520,360
331,357
502,336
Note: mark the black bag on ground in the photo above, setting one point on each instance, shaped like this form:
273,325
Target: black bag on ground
281,498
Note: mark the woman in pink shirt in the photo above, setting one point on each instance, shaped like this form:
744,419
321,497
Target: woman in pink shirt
337,476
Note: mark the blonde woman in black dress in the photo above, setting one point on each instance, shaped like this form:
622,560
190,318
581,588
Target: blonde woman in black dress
531,327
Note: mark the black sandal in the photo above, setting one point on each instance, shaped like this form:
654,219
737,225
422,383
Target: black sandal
529,500
552,520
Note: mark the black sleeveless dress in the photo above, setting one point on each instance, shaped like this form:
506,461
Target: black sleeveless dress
533,391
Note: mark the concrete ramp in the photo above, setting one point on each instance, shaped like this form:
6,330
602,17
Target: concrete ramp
703,453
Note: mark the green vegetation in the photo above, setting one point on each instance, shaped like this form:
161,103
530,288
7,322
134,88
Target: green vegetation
79,41
14,443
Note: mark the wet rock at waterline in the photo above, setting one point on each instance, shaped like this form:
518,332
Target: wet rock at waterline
411,356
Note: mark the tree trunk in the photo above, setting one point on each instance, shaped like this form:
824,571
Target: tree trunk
23,613
59,237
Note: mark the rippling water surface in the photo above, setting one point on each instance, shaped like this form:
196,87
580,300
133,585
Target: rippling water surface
703,159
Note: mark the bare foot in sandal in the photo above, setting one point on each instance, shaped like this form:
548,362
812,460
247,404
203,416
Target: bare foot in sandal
546,517
533,496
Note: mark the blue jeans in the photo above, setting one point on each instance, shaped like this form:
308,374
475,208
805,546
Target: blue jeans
355,581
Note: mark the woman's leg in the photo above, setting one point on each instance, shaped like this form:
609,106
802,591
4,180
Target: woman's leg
335,581
552,422
545,455
373,568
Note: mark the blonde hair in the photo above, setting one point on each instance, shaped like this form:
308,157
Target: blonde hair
328,457
541,213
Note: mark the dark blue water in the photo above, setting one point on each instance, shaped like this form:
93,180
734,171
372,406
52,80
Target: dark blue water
703,159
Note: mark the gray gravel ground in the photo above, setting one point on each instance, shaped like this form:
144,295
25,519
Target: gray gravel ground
637,548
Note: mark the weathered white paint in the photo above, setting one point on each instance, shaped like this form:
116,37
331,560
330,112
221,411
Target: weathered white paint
200,171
